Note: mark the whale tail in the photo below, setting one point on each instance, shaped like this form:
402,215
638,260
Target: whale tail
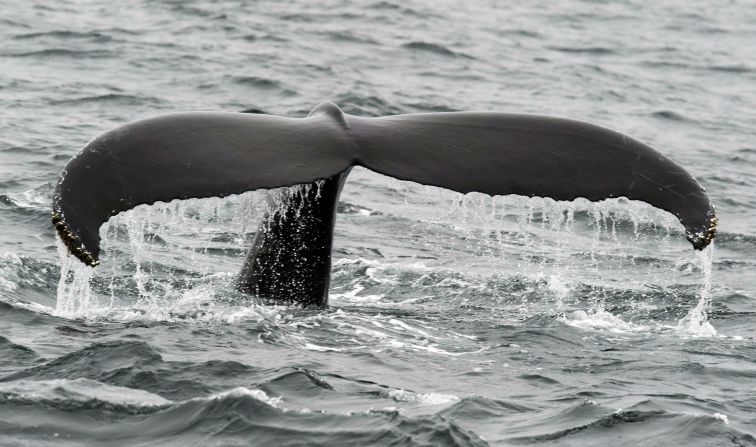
215,154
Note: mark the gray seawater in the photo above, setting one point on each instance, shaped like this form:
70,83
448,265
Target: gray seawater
454,319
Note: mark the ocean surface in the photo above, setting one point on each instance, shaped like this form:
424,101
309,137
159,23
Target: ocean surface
454,319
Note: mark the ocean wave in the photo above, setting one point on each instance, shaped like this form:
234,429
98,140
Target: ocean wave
127,417
65,53
109,99
257,82
644,423
94,36
434,48
81,395
15,355
670,115
599,51
350,36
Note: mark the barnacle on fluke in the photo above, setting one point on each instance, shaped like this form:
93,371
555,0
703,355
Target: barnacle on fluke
701,240
74,245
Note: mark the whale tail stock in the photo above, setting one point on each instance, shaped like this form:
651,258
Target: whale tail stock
216,154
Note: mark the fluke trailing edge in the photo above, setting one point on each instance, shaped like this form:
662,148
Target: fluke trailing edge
215,154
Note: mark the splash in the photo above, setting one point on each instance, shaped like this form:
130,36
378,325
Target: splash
615,260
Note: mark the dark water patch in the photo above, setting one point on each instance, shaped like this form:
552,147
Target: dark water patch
401,10
65,53
350,36
257,82
520,33
669,115
433,48
386,5
708,29
453,76
322,69
731,69
110,99
320,17
738,69
93,36
668,64
275,38
597,51
538,379
190,10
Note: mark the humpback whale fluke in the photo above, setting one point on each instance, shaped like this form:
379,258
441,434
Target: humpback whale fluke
215,154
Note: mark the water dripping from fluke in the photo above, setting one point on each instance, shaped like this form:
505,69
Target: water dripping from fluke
75,285
177,258
696,322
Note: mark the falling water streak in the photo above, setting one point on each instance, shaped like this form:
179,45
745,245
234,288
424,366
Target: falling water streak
129,245
542,239
74,287
696,322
